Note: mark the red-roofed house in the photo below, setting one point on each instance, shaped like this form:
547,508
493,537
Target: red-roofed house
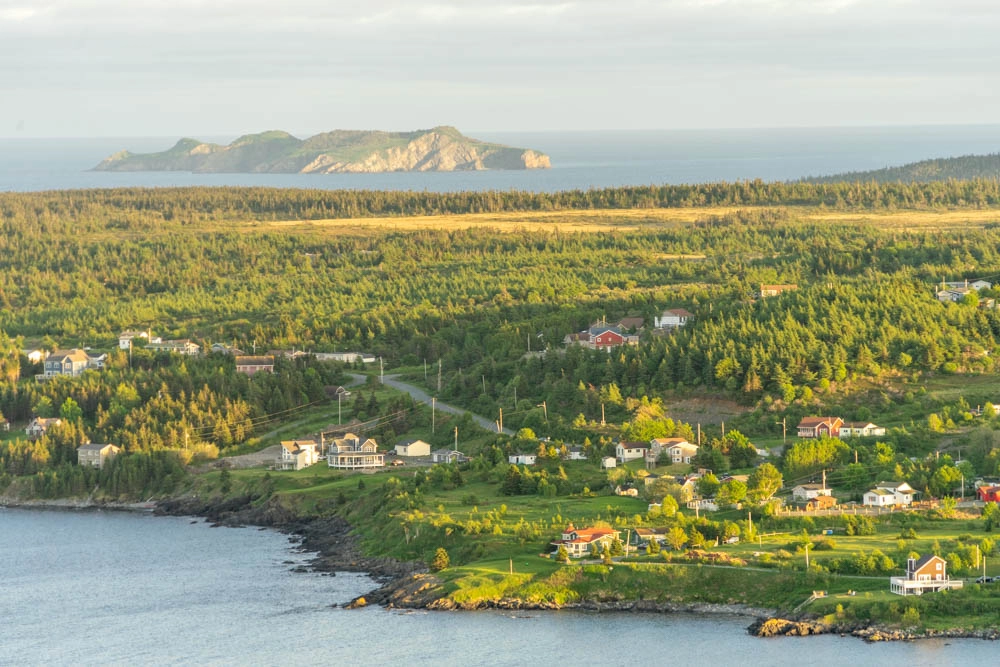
578,540
989,494
817,427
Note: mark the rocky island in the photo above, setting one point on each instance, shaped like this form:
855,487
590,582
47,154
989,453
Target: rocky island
341,151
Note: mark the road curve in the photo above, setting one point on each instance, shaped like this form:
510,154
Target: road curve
422,396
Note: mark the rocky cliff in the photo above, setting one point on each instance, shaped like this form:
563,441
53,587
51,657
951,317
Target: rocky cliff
341,151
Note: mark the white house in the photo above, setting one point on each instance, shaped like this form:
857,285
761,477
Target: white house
861,430
575,454
127,339
806,492
353,453
297,454
672,319
682,452
889,494
36,356
447,456
608,462
629,451
413,448
578,541
522,459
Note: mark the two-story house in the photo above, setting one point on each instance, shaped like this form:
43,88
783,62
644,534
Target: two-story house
96,455
927,574
297,454
629,451
39,425
672,319
578,541
70,363
818,427
889,494
354,453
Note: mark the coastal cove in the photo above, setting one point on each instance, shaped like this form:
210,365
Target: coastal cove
100,587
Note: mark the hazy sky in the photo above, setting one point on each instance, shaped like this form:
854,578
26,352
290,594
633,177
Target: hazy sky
203,67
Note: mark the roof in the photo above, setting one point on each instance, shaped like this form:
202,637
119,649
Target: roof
631,322
93,447
891,486
679,312
811,486
295,445
881,492
812,422
72,355
246,360
859,424
634,445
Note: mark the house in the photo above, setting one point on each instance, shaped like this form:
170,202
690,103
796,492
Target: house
817,427
628,451
346,357
889,494
861,430
353,453
522,459
672,319
629,491
288,354
413,448
180,346
775,290
640,537
69,363
927,574
602,336
578,541
989,494
222,348
608,462
249,365
804,492
95,455
630,323
36,356
823,502
39,425
447,456
297,454
681,452
703,505
575,454
127,339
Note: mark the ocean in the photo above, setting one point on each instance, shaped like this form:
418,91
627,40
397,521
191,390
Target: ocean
114,588
580,160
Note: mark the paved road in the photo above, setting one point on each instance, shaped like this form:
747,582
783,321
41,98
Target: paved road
422,396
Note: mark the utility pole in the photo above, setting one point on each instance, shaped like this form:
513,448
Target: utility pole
824,479
439,375
855,456
807,557
699,435
339,394
784,430
425,370
500,423
723,429
381,371
456,438
545,410
433,413
515,396
602,414
484,385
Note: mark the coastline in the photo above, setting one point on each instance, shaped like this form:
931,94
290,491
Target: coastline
410,586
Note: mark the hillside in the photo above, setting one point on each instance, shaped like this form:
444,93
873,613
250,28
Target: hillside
340,151
939,169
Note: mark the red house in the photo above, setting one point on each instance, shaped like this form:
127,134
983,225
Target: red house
817,427
989,494
608,338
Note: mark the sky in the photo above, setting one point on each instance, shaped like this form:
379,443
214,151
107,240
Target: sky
99,68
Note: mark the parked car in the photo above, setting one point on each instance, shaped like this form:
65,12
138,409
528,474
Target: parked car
985,580
397,462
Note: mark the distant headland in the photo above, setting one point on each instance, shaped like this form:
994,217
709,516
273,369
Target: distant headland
965,167
341,151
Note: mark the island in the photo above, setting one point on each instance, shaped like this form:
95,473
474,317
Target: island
341,151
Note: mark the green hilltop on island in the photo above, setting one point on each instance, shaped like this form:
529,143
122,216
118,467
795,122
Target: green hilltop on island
341,151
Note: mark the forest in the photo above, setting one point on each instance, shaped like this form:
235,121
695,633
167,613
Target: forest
491,306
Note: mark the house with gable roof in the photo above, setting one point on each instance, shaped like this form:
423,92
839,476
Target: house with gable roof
297,454
578,541
672,319
927,574
889,494
354,453
817,427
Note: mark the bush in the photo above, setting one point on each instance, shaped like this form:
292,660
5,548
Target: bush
441,560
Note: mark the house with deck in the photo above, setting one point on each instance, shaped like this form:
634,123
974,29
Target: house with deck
446,455
629,451
70,363
861,430
179,346
927,574
672,319
818,427
297,454
578,541
354,453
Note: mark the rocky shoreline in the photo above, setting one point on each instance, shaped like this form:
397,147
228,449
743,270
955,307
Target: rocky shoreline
408,585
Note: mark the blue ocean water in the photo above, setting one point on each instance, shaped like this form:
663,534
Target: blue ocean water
111,588
580,160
